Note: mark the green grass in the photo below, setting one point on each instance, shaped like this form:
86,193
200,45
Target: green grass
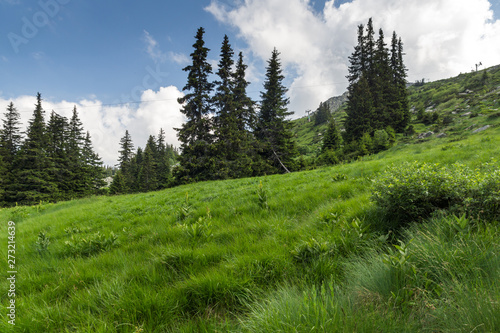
302,252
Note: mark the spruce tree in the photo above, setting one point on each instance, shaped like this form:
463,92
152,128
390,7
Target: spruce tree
10,135
247,161
60,169
360,113
322,114
76,167
147,179
226,145
93,167
163,169
125,158
273,128
332,139
401,113
196,160
10,143
34,183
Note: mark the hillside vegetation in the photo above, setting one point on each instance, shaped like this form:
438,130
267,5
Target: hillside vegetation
403,241
455,107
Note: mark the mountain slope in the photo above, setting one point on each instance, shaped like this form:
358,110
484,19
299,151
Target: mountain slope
460,104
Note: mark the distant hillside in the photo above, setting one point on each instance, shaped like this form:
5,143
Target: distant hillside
451,107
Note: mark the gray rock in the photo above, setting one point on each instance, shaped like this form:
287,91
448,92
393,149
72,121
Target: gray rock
425,135
466,114
441,135
481,129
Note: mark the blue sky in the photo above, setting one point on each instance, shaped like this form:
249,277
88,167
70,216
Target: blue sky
121,62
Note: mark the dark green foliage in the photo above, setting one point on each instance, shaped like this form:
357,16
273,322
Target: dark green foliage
273,129
195,135
322,114
360,111
10,135
377,86
92,166
413,191
332,139
118,186
34,182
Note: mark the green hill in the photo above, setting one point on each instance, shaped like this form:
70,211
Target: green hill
327,250
453,107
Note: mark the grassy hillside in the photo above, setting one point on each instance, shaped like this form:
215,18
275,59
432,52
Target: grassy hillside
460,104
250,255
315,251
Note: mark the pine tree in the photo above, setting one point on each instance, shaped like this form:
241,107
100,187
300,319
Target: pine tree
196,160
10,143
381,87
118,185
225,127
10,136
322,114
93,167
273,129
248,161
125,158
163,170
332,139
147,179
401,113
34,182
60,172
76,166
359,111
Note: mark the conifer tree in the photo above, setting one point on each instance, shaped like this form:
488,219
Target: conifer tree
332,139
93,167
359,110
401,113
34,182
60,169
10,135
322,114
10,143
196,160
76,167
125,159
163,170
273,129
226,145
147,179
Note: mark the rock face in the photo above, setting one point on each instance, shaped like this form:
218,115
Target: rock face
335,103
481,129
425,135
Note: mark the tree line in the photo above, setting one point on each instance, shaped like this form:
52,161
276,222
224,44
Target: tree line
144,170
226,134
54,161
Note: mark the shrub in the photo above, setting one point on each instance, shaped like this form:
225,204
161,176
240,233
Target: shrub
87,246
412,191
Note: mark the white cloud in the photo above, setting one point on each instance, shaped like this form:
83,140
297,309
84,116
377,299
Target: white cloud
153,48
441,38
107,123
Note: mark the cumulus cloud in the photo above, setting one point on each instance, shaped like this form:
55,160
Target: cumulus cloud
107,123
441,38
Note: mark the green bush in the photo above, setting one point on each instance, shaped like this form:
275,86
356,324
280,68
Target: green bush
412,191
93,244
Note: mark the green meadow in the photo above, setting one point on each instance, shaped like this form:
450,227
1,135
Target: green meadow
302,252
406,240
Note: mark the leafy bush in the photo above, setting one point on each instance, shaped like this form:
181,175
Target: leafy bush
87,246
412,191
